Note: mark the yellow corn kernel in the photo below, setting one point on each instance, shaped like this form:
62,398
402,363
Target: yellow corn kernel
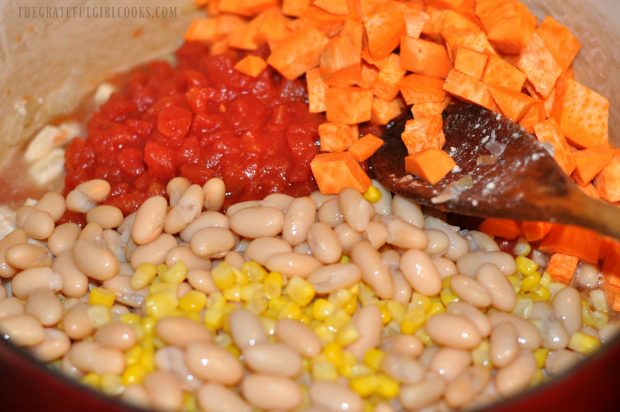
364,385
345,259
101,296
161,304
386,316
530,281
373,358
290,311
334,354
224,276
412,321
435,308
447,296
540,355
342,297
269,324
300,291
424,337
193,301
99,315
92,380
373,195
323,370
350,307
190,404
525,265
175,274
347,335
419,301
366,295
258,303
359,369
234,350
397,310
161,269
148,324
480,354
130,318
249,291
325,335
348,362
586,315
541,293
369,406
273,285
147,344
254,271
111,384
158,287
545,279
322,309
233,293
133,375
515,280
338,320
537,378
241,277
387,386
583,343
132,356
276,304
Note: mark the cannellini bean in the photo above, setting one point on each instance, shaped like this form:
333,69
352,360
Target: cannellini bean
137,396
69,368
117,335
444,266
214,397
384,205
95,261
332,278
347,236
374,272
297,220
279,201
26,282
213,363
504,347
22,330
185,211
552,330
458,244
273,358
92,232
164,391
175,189
38,224
528,335
405,369
567,306
324,243
242,205
407,345
404,235
498,286
449,362
292,264
149,220
356,210
453,331
76,322
212,242
470,291
479,319
201,280
319,199
74,282
253,222
27,255
63,238
589,276
205,220
11,306
86,195
262,248
215,193
54,345
271,391
408,211
402,288
391,258
109,217
438,242
52,203
376,234
420,272
179,331
115,243
367,322
469,264
93,357
44,305
330,213
298,336
462,389
517,375
420,394
335,397
246,328
484,242
190,260
561,360
427,355
172,359
14,238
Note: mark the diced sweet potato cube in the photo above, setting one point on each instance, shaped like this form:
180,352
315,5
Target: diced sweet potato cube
383,112
539,65
316,91
562,267
470,62
559,40
417,88
348,105
424,57
337,137
549,132
500,73
365,147
608,181
512,104
590,162
423,133
334,172
298,53
431,165
251,65
386,83
585,115
469,89
383,31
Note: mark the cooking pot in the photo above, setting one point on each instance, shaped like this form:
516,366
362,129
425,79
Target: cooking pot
52,56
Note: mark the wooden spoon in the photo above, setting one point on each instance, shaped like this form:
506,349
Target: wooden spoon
502,171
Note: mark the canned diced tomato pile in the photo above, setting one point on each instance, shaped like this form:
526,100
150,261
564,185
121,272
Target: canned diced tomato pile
220,244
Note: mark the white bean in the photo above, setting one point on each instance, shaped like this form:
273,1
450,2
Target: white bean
449,362
335,397
95,261
408,211
213,363
376,234
567,306
212,242
561,360
214,397
374,272
292,264
332,278
517,375
470,263
498,286
175,189
405,369
347,236
479,319
254,222
298,220
271,392
298,336
356,210
154,252
22,330
149,220
458,244
467,385
529,337
367,322
52,203
205,220
444,266
262,248
246,328
109,217
438,242
453,331
420,394
273,358
185,211
419,270
324,243
54,346
404,235
279,201
470,291
29,280
86,195
402,288
504,347
215,193
63,238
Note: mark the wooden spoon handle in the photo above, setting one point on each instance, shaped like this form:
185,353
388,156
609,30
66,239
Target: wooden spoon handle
586,211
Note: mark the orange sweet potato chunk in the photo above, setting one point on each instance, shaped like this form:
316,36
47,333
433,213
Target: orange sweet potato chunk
535,114
414,22
316,91
295,8
469,89
585,116
608,181
348,105
499,72
512,104
386,83
431,165
424,133
383,31
470,62
562,267
539,65
338,7
424,57
559,40
429,108
549,132
334,172
590,162
383,111
365,147
417,88
251,65
337,137
508,23
298,53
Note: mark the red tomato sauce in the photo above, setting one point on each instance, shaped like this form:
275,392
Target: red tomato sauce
200,119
